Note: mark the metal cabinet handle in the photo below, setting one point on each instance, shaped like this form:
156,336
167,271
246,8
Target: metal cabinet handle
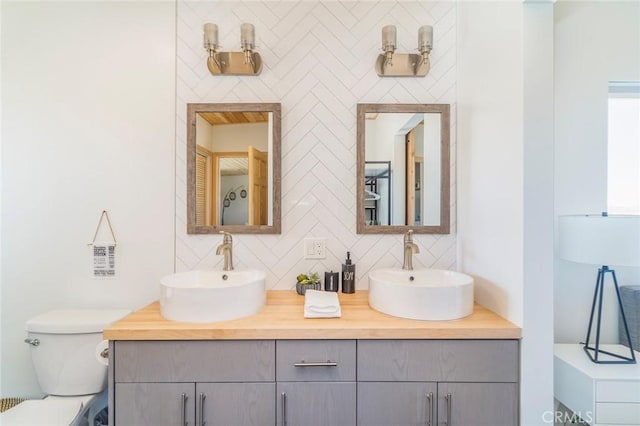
32,342
449,400
283,402
201,408
429,408
315,364
183,419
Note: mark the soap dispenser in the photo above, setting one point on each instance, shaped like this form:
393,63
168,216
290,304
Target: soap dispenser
348,276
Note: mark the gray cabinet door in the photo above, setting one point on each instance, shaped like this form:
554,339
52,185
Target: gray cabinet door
153,404
237,404
478,404
398,404
316,404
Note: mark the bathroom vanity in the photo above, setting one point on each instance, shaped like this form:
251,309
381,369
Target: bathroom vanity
276,368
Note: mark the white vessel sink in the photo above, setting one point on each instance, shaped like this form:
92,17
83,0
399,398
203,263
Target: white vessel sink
422,294
209,295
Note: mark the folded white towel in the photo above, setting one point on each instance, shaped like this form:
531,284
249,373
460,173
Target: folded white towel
321,304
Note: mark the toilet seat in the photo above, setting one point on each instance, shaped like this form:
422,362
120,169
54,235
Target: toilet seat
50,411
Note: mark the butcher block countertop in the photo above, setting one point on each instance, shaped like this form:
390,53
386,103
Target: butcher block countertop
282,318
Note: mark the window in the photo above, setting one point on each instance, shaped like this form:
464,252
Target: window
623,163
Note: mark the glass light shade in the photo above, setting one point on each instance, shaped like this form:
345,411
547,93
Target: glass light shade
247,36
210,35
600,240
425,38
389,38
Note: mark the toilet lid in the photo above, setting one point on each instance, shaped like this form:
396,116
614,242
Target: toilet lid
75,321
42,412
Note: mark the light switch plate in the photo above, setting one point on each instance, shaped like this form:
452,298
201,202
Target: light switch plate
315,248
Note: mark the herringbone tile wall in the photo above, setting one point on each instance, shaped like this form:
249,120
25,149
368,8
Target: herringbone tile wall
318,63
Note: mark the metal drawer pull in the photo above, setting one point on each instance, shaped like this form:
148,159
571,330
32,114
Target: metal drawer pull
448,398
32,342
184,410
430,408
315,364
283,399
201,408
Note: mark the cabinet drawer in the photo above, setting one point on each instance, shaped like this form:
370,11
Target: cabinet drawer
438,360
191,361
616,413
316,360
618,391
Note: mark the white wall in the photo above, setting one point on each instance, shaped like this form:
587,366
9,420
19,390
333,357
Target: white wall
318,63
88,124
232,137
490,154
387,142
203,133
536,375
502,172
238,211
595,42
1,210
432,169
237,137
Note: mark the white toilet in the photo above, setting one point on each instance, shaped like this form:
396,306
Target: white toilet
67,354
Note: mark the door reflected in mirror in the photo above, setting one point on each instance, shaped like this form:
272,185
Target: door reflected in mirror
234,168
403,168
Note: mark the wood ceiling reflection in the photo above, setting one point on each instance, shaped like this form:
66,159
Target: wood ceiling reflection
216,118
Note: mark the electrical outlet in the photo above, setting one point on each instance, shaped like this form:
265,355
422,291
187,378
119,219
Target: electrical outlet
315,248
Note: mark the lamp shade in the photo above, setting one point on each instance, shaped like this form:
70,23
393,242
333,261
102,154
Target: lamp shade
600,240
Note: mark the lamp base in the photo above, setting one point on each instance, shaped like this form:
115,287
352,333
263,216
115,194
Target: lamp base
593,352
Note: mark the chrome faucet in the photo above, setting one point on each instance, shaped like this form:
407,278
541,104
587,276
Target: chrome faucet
409,249
226,248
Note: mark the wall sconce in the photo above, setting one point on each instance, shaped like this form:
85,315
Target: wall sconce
247,62
391,64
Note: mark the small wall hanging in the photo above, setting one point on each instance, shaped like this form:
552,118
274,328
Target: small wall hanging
103,253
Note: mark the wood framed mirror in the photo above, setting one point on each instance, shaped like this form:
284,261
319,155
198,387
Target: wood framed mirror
403,168
233,168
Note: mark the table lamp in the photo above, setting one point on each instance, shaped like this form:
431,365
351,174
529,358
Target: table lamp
602,240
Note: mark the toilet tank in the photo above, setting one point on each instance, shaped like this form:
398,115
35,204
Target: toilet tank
65,358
